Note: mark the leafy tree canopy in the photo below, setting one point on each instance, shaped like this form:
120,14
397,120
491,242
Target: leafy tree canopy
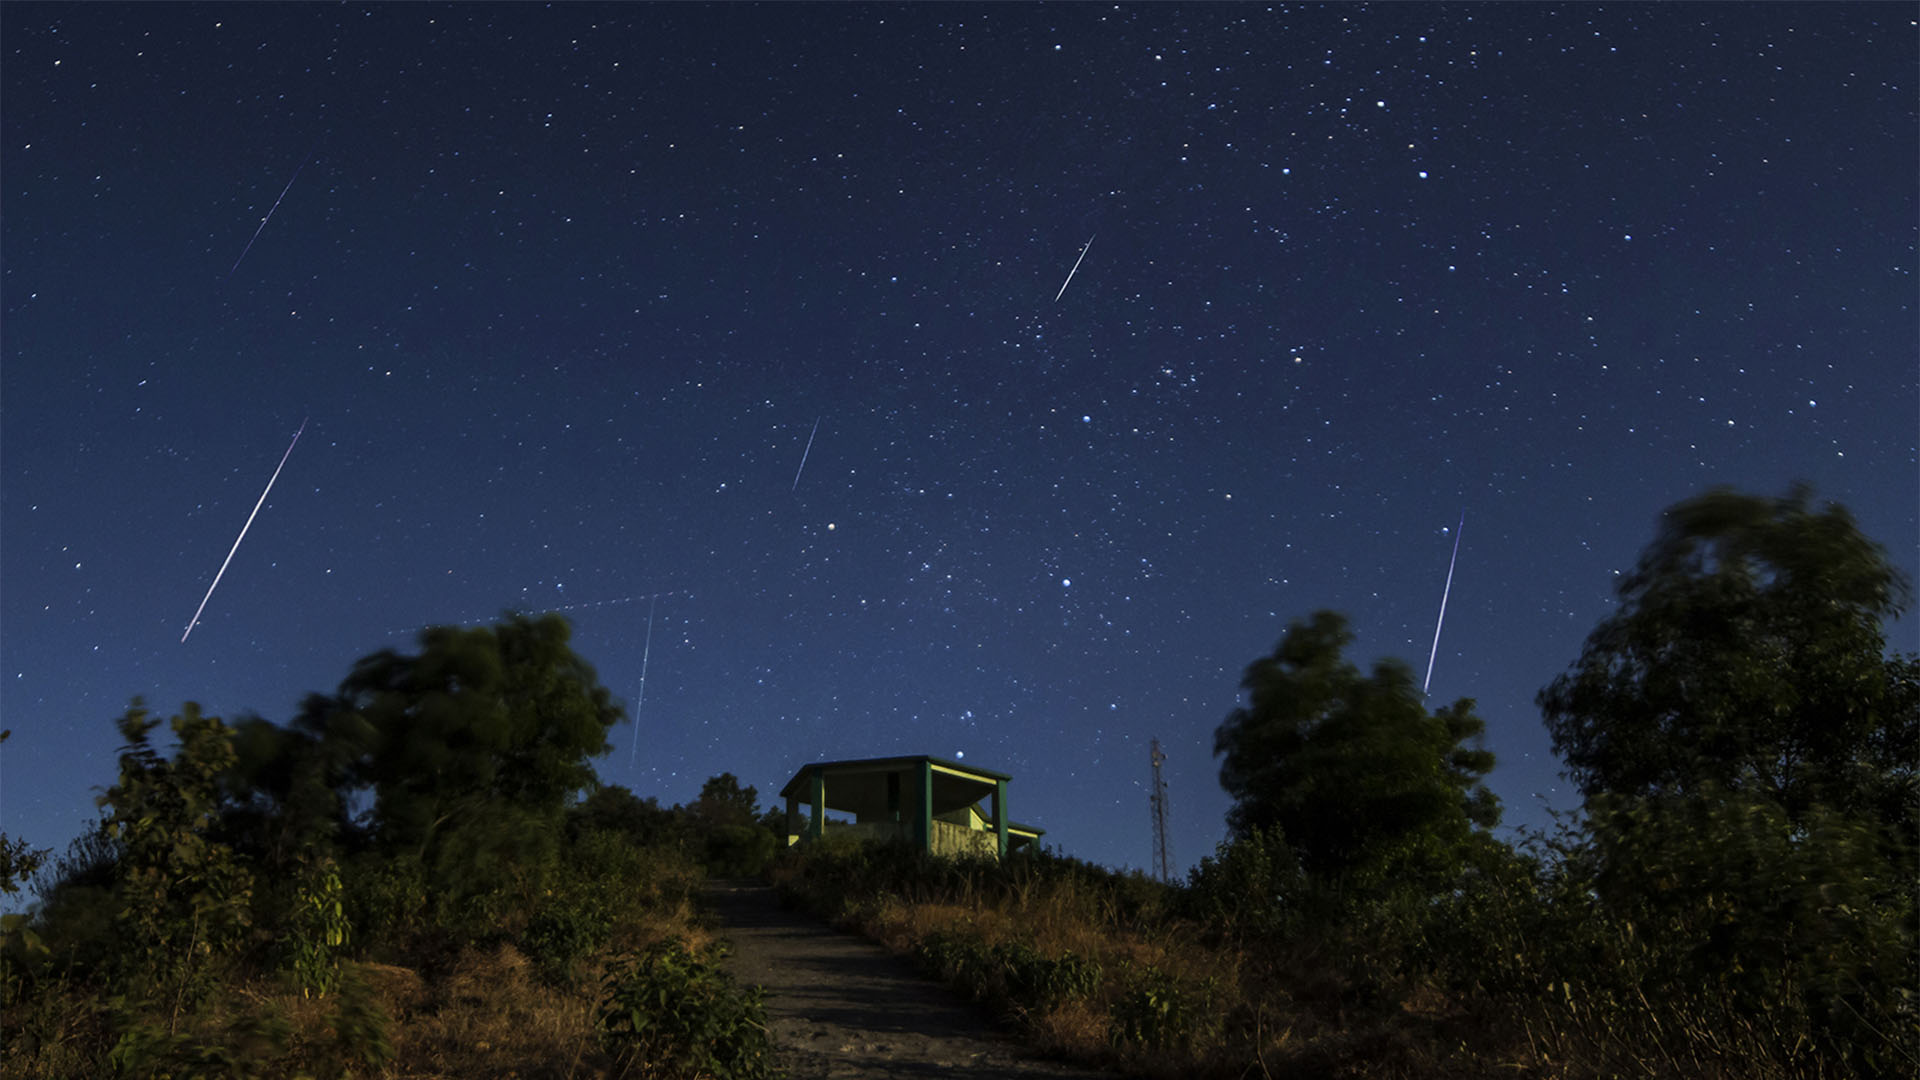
723,801
1748,653
1361,779
480,726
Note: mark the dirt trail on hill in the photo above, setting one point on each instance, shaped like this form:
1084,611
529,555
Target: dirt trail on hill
842,1008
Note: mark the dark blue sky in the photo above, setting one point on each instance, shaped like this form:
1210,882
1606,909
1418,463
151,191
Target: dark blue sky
562,293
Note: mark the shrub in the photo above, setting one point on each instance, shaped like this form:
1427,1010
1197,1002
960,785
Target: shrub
1245,888
240,1050
1043,983
561,934
676,1015
1159,1012
734,851
319,930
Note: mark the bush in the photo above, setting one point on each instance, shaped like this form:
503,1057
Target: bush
1246,887
1159,1012
562,934
673,1014
734,851
1012,972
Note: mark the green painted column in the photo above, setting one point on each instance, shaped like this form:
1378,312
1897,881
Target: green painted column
923,807
1000,815
818,826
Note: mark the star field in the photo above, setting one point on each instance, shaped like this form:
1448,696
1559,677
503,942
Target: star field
564,295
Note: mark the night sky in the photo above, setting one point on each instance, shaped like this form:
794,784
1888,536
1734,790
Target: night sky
737,334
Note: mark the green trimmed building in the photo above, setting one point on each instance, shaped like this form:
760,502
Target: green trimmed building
938,806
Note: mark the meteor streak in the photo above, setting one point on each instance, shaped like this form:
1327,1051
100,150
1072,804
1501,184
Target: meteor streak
1443,602
1075,270
804,453
243,531
270,210
645,651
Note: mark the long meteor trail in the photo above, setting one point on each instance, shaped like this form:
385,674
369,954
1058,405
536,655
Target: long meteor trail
243,532
270,210
1443,602
645,651
1075,270
804,453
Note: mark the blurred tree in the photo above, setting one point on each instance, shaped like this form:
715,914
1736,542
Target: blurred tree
643,822
18,861
1748,751
1748,652
723,801
288,791
181,897
1362,781
733,835
475,746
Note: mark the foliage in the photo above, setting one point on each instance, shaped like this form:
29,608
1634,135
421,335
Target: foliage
181,897
734,851
229,884
611,808
386,901
1748,751
18,861
476,745
1014,974
672,1013
1247,888
723,801
1159,1011
1748,653
288,791
1805,923
361,1028
237,1051
1367,786
320,930
561,935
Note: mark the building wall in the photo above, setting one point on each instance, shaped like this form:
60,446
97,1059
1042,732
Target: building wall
951,839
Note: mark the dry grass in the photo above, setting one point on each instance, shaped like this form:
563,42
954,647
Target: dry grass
490,1016
486,1014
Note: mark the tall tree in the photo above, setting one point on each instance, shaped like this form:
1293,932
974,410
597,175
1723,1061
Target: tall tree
1748,653
723,801
181,896
476,744
1362,780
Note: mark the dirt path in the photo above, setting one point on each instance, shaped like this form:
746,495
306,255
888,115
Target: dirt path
842,1008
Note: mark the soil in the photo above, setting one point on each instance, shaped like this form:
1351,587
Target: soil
842,1008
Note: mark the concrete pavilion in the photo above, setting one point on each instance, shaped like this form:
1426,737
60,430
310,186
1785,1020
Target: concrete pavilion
932,803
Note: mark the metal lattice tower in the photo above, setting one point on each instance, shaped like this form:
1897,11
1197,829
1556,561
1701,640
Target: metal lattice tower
1162,862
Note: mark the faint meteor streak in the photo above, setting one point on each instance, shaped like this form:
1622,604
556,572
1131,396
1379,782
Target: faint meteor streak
243,531
645,651
804,453
1443,602
270,210
1075,270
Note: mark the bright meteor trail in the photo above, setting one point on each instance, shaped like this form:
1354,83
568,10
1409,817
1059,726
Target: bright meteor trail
1075,270
243,531
1443,602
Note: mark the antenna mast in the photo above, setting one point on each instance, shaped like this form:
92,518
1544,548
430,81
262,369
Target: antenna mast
1162,864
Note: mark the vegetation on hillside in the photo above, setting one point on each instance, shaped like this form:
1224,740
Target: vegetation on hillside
418,876
1736,900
